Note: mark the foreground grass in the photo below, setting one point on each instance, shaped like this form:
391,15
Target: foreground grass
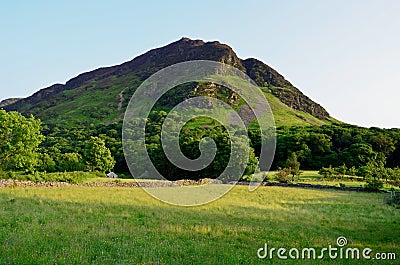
81,225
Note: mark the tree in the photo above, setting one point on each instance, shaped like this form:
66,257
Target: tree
394,158
19,140
293,165
359,154
374,176
46,163
252,165
97,155
382,143
71,162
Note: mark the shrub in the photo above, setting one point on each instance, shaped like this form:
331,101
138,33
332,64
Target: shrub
373,184
351,171
340,171
7,175
363,171
283,175
394,177
327,172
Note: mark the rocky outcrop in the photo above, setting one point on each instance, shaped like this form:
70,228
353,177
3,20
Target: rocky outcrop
8,101
265,76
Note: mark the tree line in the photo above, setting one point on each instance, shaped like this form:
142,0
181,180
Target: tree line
27,144
335,145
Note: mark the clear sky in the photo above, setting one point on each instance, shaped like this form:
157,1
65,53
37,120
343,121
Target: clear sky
345,55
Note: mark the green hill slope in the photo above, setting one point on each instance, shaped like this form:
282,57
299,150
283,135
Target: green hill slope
101,95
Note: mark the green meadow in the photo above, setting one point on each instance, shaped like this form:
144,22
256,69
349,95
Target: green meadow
87,225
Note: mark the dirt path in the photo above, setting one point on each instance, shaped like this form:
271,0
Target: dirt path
121,99
120,105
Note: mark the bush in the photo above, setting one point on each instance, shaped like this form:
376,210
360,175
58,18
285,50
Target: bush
340,171
351,171
7,175
394,177
374,184
283,175
327,172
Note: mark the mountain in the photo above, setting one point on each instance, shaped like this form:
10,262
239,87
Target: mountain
101,95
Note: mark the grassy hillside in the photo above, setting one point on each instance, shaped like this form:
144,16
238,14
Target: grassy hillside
95,102
77,225
286,116
105,102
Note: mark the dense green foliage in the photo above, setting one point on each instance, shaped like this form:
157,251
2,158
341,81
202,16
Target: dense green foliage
97,155
24,147
190,138
19,139
76,148
340,149
335,149
337,145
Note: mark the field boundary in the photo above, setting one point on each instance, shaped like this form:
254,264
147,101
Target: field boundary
315,186
9,183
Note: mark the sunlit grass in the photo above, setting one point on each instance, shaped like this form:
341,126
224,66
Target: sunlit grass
82,225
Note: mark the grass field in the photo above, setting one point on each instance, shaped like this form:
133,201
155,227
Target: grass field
312,177
82,225
307,177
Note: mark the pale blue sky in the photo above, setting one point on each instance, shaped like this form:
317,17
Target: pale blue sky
343,54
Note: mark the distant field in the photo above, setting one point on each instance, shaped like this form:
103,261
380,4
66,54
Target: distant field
307,176
82,225
312,177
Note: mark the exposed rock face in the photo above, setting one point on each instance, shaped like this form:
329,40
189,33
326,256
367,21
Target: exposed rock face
265,76
8,101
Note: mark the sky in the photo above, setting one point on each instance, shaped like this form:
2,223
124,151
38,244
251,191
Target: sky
344,55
